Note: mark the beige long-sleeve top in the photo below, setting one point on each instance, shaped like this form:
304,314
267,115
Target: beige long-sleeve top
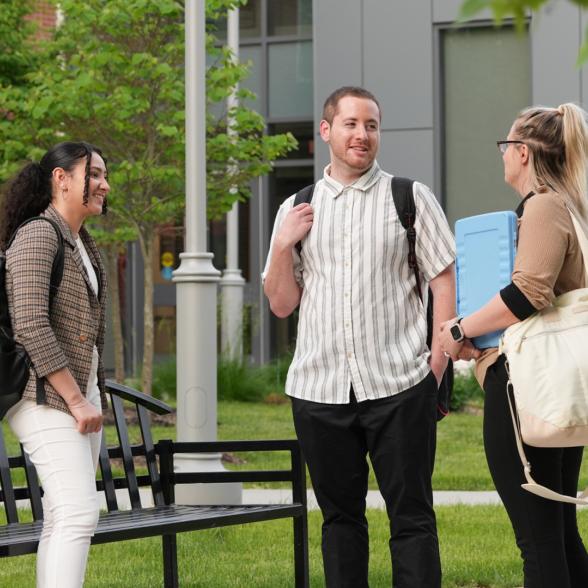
548,261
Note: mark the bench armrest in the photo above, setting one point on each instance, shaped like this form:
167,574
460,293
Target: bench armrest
223,446
296,475
126,393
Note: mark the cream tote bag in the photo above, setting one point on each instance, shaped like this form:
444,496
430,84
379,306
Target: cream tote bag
547,364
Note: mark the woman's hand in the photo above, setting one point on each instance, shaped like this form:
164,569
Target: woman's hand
448,344
88,417
456,349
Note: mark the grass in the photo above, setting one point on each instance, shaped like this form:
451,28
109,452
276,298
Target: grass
477,543
460,463
477,550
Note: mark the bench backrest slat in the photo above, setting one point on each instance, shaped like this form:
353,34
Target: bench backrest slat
34,488
106,471
127,455
6,481
145,424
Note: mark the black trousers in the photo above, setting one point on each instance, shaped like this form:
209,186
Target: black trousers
546,531
399,433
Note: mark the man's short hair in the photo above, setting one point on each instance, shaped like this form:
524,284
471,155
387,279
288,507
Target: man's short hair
332,102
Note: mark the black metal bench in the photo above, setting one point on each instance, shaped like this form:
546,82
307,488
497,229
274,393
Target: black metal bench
164,518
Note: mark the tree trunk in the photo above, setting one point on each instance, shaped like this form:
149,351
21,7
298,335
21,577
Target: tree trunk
147,247
112,252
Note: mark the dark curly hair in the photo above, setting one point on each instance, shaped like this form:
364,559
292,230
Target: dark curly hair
30,192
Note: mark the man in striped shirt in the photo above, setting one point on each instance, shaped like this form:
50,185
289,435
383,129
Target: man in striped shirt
362,380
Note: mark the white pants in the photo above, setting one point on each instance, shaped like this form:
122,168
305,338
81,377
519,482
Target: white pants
66,464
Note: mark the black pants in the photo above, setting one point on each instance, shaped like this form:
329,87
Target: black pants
399,433
546,531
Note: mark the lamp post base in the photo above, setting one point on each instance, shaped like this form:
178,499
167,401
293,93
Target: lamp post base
205,493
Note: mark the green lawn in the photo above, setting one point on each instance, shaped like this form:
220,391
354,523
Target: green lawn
477,550
477,543
460,463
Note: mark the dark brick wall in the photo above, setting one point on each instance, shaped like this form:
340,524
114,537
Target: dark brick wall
46,18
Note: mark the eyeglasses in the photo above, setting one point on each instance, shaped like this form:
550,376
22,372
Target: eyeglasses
503,145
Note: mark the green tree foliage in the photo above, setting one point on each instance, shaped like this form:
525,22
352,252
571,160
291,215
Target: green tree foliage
16,46
517,9
113,74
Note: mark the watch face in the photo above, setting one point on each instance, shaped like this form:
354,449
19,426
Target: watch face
456,333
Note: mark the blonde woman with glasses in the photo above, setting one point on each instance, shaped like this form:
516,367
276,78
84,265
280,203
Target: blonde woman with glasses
545,161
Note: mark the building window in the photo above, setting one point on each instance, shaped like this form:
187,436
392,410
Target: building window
289,17
486,82
290,80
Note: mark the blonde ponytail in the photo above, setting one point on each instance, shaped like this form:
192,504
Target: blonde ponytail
575,140
558,143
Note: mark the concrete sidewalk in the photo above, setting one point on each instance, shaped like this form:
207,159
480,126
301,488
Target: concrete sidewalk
374,498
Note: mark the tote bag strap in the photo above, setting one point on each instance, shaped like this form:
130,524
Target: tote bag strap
531,485
583,241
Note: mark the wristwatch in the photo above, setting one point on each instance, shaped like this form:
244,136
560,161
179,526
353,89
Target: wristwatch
457,332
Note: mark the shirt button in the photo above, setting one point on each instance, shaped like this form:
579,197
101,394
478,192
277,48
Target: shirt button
83,338
350,355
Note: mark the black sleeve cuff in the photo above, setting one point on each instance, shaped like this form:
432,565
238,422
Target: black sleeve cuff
517,302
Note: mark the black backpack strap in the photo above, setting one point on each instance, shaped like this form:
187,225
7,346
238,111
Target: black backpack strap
305,195
57,267
54,283
402,192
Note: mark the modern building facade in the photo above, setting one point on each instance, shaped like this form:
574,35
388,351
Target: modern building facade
447,94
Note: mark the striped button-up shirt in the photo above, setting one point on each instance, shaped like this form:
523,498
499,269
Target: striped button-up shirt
361,322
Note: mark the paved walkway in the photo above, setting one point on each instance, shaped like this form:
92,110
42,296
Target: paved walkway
374,498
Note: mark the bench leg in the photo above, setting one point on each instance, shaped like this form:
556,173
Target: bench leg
170,561
301,552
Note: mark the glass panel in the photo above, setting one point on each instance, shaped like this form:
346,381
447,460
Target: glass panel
289,17
250,19
252,54
304,134
249,22
290,79
480,103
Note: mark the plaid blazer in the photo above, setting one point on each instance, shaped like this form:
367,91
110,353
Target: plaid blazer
65,334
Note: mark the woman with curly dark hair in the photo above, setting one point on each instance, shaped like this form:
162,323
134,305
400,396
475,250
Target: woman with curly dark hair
59,418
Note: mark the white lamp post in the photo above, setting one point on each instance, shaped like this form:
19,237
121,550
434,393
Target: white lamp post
232,282
196,287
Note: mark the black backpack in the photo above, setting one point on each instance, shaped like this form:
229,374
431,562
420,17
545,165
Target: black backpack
402,192
15,363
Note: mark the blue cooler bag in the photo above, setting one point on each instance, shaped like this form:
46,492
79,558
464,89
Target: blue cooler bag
486,246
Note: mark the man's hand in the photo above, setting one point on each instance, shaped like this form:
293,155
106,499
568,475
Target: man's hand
295,226
468,351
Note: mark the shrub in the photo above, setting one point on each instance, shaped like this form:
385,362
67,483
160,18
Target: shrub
466,390
237,380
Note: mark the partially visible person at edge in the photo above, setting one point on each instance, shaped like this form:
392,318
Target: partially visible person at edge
545,161
60,431
362,380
